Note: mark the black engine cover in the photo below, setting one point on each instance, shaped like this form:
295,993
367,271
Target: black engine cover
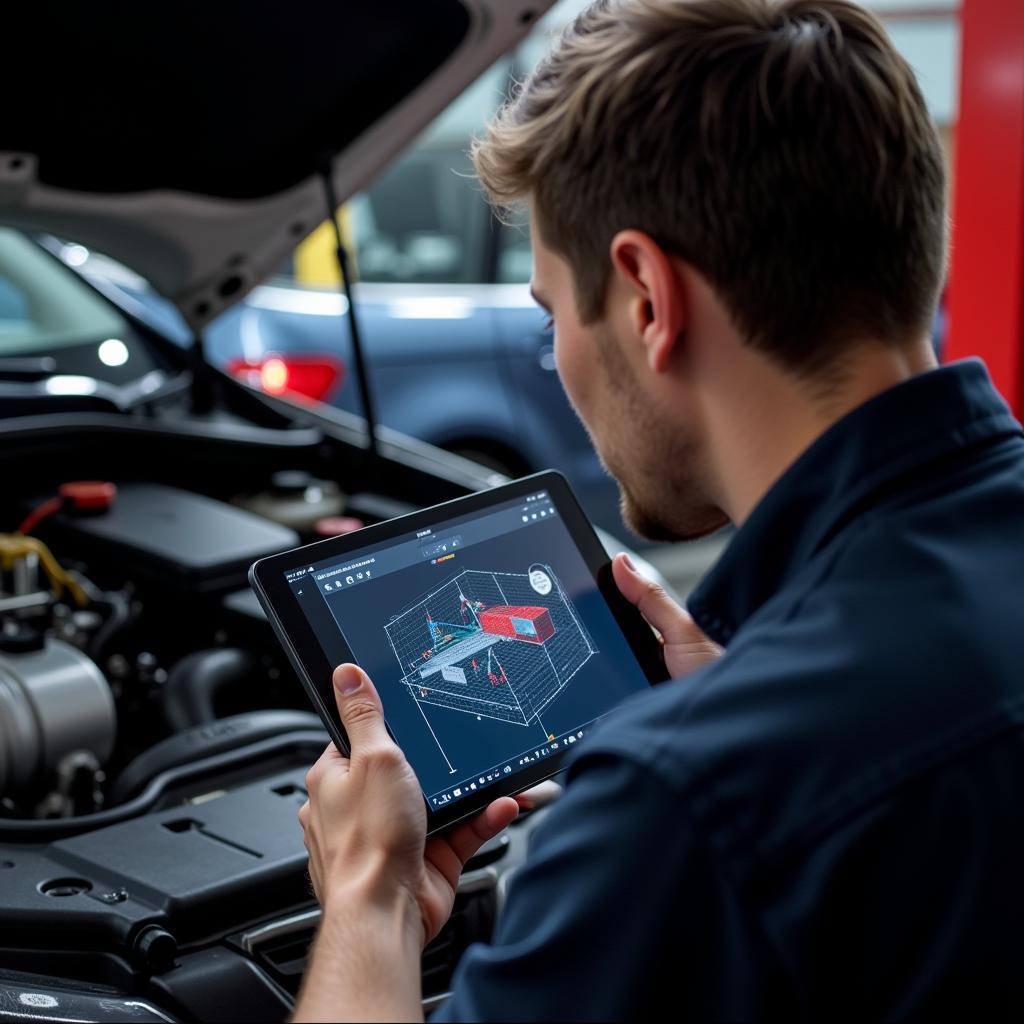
174,537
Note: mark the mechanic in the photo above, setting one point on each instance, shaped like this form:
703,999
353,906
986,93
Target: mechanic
738,224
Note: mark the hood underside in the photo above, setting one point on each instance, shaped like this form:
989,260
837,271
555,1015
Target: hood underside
189,141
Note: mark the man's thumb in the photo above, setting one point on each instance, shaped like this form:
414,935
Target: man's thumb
359,707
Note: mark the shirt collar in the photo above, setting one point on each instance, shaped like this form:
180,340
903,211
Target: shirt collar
895,433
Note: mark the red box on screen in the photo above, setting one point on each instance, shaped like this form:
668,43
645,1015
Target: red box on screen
518,622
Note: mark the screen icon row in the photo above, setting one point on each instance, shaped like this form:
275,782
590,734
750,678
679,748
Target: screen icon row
550,748
528,515
442,547
341,582
528,758
468,787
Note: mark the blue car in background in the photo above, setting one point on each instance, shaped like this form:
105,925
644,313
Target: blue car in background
469,368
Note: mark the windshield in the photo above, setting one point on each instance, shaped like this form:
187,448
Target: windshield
47,311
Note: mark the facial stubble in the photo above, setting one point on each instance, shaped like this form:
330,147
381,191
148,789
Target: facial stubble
659,467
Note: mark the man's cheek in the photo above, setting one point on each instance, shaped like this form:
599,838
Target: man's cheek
571,374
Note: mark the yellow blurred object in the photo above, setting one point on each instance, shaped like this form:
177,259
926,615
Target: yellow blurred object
14,546
315,262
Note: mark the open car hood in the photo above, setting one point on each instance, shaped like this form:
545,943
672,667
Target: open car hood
189,140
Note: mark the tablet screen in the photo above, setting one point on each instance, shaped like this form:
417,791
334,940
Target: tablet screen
486,637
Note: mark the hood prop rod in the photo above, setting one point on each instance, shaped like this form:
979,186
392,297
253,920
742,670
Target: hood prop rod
203,388
344,270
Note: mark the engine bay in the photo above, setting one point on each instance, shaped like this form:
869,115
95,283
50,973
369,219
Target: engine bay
153,749
124,619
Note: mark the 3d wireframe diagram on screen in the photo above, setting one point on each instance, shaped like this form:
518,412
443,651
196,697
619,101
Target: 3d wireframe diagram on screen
491,644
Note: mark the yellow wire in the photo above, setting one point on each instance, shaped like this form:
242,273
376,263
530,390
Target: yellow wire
14,546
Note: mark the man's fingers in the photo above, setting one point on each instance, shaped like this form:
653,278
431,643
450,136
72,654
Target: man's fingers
360,709
687,647
540,795
449,853
330,760
654,603
467,838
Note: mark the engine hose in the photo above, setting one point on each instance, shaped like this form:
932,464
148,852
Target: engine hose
204,741
255,739
119,617
194,681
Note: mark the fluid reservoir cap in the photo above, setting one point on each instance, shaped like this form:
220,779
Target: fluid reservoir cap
155,948
332,526
88,495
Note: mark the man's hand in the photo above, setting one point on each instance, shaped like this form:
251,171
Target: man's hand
365,820
686,647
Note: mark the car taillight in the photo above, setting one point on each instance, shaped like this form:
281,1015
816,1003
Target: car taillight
309,376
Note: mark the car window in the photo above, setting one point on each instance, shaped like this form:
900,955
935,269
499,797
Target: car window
42,307
45,310
423,220
14,311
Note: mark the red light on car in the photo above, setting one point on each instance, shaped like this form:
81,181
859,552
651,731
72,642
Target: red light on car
312,377
274,376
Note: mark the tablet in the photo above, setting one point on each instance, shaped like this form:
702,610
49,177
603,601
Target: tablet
490,625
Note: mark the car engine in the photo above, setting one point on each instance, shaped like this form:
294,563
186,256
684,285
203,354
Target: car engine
125,639
58,726
153,748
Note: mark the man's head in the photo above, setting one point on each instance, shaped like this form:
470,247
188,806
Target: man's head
720,191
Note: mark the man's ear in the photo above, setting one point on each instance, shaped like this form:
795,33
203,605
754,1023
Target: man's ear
658,308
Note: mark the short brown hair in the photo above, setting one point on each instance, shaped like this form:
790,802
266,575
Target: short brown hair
782,148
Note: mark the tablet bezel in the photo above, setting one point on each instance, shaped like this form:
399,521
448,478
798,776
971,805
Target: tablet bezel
267,577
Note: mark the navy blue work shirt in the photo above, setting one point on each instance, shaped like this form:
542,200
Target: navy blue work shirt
828,823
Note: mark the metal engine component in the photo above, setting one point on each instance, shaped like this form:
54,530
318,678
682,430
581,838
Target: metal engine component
54,702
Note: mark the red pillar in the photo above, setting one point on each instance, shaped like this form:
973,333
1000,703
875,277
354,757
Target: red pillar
986,288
